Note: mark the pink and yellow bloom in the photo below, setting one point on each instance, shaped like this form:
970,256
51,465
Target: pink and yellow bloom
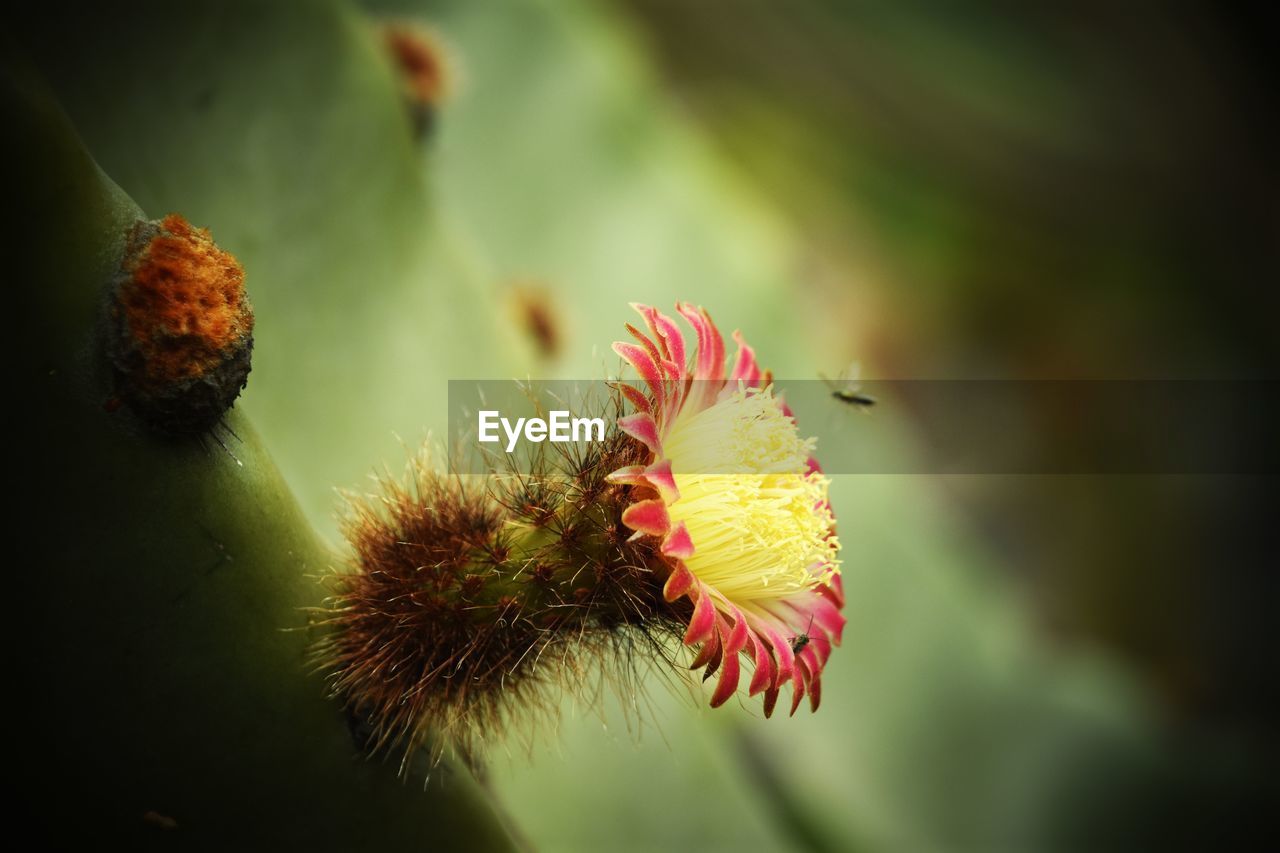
738,505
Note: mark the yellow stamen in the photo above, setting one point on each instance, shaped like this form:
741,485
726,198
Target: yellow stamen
760,523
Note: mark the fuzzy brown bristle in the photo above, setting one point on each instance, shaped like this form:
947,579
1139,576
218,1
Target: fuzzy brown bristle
425,68
179,328
468,600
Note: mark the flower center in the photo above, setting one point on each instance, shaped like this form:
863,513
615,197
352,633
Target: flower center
759,519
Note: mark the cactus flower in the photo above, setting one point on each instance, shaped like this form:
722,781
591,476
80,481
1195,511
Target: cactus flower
701,515
738,505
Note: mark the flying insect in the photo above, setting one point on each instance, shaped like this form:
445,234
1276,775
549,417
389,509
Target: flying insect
848,389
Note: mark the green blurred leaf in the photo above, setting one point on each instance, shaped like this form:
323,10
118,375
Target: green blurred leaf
166,601
279,128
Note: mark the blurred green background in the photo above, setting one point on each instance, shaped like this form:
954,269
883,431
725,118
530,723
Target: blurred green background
989,191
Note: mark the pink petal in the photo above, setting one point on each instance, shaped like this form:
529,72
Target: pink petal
702,368
714,666
647,312
812,665
644,341
770,700
649,517
827,616
833,590
677,389
709,656
813,676
702,624
660,477
745,367
680,582
668,334
821,649
782,653
737,639
728,681
631,475
645,365
763,677
813,614
635,396
709,365
675,345
680,546
644,429
798,682
717,345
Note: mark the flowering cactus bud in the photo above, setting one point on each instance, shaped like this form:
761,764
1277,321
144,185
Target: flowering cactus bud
740,507
701,516
470,598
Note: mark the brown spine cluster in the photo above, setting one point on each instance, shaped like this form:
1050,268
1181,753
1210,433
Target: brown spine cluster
180,327
536,314
469,600
424,68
